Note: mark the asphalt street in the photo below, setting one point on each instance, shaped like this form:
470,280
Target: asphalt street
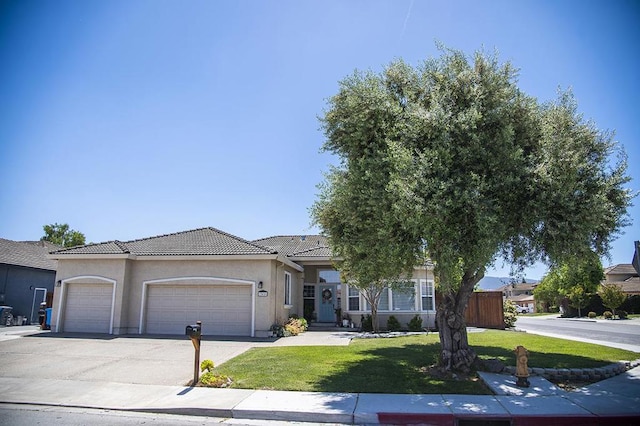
30,415
623,334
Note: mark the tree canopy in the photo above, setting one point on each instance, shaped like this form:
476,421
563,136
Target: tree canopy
453,157
61,235
575,280
612,296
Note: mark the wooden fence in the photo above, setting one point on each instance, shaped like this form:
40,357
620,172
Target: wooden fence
485,310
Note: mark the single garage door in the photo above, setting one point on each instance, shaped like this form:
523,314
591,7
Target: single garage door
88,308
224,310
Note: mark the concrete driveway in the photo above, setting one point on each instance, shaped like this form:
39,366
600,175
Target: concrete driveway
30,354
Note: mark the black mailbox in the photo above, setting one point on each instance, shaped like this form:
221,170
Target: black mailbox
193,330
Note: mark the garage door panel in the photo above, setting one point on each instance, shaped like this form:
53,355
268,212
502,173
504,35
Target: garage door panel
88,308
223,310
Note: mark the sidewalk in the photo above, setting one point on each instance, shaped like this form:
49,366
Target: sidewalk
615,401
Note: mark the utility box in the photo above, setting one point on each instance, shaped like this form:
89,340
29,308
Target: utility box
194,331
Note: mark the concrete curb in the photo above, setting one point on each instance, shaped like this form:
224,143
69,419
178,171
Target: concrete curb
511,404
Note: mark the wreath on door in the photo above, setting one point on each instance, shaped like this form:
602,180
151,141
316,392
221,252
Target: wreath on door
326,295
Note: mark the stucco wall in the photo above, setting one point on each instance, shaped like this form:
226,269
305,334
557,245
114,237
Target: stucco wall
82,272
131,274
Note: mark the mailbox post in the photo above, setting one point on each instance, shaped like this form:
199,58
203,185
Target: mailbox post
194,332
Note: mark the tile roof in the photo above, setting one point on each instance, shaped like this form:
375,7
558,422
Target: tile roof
32,254
632,285
622,269
202,241
298,245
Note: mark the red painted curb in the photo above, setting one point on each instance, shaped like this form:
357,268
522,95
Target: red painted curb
465,420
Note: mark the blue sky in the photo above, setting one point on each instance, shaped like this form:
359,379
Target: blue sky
127,119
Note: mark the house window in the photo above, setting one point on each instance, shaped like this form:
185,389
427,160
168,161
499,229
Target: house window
404,299
398,299
309,300
287,288
427,294
329,276
383,303
354,299
309,292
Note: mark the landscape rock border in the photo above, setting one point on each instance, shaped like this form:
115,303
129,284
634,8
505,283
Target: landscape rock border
595,374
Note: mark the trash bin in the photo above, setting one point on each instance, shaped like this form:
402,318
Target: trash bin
6,317
48,318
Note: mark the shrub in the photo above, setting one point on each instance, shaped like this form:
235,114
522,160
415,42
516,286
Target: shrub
607,315
622,314
393,324
367,323
294,326
592,314
280,331
211,379
304,323
415,324
510,313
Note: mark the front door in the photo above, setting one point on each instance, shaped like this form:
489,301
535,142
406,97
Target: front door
327,301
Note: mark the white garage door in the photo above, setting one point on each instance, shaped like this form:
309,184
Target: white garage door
223,310
88,308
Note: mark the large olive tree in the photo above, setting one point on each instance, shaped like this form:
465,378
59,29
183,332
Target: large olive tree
469,167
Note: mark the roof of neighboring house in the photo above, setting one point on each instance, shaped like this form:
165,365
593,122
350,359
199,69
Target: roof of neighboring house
521,298
630,285
621,269
202,241
32,254
518,287
298,245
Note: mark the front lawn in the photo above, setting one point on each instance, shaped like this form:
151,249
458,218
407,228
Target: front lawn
398,365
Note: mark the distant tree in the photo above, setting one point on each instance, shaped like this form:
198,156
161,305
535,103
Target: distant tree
453,156
575,281
61,235
612,296
578,298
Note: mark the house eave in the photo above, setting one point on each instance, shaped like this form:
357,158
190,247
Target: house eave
289,262
91,256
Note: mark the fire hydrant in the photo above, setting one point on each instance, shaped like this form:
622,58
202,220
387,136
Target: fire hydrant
522,370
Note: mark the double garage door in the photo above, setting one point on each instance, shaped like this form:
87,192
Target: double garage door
225,310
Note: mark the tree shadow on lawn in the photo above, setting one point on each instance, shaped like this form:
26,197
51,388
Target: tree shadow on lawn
404,370
395,370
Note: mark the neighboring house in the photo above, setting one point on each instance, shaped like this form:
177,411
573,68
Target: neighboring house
625,275
27,275
159,285
520,293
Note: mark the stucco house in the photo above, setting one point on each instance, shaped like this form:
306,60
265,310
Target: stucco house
27,276
626,275
520,293
236,287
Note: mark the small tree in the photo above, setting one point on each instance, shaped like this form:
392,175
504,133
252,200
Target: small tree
510,313
578,298
61,235
612,296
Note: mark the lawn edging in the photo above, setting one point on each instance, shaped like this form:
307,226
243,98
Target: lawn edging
596,374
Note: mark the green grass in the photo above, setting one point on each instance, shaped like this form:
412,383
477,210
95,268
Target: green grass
396,365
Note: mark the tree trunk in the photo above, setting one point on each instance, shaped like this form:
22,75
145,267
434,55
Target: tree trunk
456,355
374,318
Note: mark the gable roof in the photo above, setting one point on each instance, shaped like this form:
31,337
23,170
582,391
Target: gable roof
202,241
31,254
298,245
